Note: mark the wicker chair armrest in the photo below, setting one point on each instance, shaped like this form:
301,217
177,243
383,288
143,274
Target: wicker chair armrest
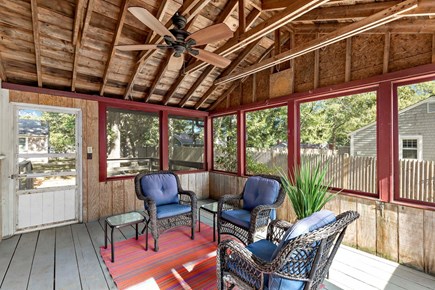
192,196
229,201
188,193
150,206
277,229
230,249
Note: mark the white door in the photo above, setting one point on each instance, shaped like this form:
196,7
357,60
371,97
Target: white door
48,165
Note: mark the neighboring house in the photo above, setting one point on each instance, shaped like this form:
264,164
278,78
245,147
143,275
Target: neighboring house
33,136
416,133
186,140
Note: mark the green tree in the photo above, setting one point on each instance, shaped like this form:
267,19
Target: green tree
61,131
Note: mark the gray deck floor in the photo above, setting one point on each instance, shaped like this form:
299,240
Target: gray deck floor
68,258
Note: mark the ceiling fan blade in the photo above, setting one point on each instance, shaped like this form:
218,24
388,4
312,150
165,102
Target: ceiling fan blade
136,47
175,63
212,58
211,34
150,21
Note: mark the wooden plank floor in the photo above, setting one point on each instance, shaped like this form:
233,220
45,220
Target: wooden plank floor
68,258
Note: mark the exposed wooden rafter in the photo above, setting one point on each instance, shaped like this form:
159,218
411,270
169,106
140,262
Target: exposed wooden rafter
163,68
3,76
229,8
227,71
368,23
79,43
119,26
293,11
36,40
189,10
242,17
253,15
78,20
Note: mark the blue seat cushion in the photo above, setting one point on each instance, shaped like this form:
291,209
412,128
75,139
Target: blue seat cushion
162,188
238,217
169,210
263,249
260,191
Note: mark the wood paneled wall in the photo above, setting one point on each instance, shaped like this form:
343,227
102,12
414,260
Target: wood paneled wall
399,233
101,199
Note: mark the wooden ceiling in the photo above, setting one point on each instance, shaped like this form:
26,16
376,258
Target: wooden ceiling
70,44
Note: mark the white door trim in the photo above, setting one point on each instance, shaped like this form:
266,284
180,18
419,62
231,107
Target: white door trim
13,196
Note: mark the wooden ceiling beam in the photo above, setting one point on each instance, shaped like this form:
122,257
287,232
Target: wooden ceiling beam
119,26
294,10
36,40
234,85
241,57
223,16
273,4
400,26
230,69
3,76
344,12
197,6
242,17
368,23
79,43
253,15
77,20
163,68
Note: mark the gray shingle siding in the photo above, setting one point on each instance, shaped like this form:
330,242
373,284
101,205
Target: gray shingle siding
412,122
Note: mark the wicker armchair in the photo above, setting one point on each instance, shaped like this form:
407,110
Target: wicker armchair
167,205
291,257
244,214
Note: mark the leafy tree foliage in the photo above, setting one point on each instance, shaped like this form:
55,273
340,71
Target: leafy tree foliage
62,131
137,131
225,143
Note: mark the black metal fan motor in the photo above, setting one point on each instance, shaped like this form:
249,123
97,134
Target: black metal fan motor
180,45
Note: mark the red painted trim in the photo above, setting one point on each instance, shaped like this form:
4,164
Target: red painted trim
241,143
396,162
342,89
208,134
164,141
102,140
109,101
385,141
293,136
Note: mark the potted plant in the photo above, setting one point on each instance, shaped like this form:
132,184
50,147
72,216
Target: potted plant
307,188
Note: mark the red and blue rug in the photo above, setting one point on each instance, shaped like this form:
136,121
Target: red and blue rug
181,263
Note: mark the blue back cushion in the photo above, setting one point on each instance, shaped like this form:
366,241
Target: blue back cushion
260,191
306,225
162,188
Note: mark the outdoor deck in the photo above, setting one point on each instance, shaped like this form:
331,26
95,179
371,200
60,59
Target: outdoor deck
68,258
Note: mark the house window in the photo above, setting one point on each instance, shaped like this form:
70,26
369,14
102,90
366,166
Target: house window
132,142
431,106
410,147
186,143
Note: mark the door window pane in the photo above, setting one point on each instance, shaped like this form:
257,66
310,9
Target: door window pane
132,142
266,141
225,143
341,134
416,154
186,143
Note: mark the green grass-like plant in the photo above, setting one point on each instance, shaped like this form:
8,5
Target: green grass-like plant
307,189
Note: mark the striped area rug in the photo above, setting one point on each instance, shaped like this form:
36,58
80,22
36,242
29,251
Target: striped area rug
180,263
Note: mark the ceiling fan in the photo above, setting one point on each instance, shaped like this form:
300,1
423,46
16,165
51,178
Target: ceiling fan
181,41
